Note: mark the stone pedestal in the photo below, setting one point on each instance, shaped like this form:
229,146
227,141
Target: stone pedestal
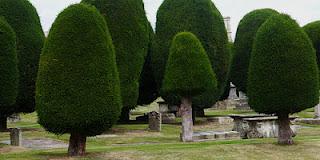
16,137
155,121
242,104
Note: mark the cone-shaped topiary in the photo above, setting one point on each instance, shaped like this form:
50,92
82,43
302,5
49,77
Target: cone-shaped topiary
129,28
313,31
78,88
246,33
283,72
24,20
9,74
188,74
204,20
147,85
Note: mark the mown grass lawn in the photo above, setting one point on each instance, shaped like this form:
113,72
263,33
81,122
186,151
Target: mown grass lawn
134,142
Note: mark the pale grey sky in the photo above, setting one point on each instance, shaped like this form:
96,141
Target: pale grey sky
304,11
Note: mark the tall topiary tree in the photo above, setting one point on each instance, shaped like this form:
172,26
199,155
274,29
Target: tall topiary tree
283,73
246,33
313,31
204,20
8,72
129,28
147,84
24,20
188,74
78,88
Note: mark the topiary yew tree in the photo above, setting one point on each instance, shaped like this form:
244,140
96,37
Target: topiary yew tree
313,31
129,28
204,20
78,88
9,74
188,73
246,33
283,72
147,85
24,20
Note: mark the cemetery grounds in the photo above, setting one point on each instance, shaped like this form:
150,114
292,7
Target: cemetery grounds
134,142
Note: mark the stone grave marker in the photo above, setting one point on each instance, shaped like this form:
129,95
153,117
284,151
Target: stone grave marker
155,121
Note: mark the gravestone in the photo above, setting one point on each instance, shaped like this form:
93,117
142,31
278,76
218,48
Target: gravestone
16,137
155,121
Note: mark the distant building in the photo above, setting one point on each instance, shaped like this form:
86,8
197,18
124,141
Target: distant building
228,27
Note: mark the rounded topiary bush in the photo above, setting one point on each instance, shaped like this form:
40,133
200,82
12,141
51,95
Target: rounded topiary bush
188,73
313,31
78,88
129,28
9,74
283,72
204,20
246,33
24,20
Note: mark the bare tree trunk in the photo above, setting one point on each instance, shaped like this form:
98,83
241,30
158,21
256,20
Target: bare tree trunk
3,124
77,145
285,132
187,124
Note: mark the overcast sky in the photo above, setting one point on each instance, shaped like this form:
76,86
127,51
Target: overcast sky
304,11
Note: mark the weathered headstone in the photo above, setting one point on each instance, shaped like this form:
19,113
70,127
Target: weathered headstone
155,121
16,137
233,92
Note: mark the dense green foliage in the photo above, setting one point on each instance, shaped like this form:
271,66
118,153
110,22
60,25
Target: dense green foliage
313,31
188,71
147,84
246,33
78,88
204,20
9,74
129,28
24,20
283,72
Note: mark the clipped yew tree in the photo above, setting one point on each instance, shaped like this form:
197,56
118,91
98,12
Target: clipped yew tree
246,33
188,73
203,19
283,72
24,20
9,75
78,88
148,92
129,28
313,31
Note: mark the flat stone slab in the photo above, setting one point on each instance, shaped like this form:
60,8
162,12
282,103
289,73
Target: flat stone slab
215,135
38,144
313,121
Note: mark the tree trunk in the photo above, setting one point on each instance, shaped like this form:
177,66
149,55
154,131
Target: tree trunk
125,115
187,125
3,124
285,132
77,145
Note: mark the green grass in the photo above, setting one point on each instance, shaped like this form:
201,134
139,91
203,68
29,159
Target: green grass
135,142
